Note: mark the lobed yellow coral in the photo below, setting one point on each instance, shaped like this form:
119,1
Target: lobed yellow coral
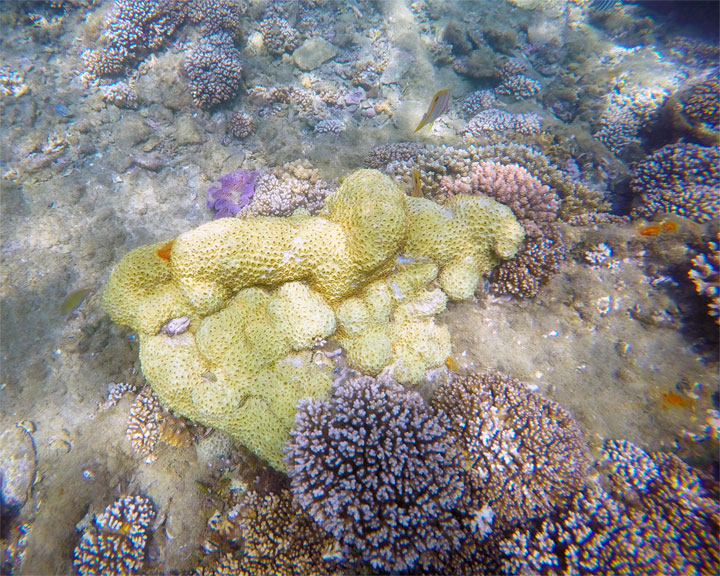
248,295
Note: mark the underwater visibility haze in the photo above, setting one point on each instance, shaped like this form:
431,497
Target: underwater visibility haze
359,287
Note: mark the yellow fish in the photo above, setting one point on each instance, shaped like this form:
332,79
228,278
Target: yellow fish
438,106
417,185
73,300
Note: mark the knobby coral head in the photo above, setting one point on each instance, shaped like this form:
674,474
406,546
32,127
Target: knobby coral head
232,192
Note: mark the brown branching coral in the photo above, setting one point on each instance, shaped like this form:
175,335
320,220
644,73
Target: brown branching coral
149,422
524,453
705,274
115,543
537,262
682,179
267,534
132,27
665,494
214,70
589,534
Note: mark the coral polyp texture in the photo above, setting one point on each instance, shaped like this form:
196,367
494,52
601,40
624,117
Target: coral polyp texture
682,179
666,495
115,543
253,293
214,69
705,274
375,468
524,453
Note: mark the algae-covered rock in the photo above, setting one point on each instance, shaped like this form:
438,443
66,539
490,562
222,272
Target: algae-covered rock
313,53
261,291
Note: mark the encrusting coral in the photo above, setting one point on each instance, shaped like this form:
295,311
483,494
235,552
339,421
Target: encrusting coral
255,292
379,471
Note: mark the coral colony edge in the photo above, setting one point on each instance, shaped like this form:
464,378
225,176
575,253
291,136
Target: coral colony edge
369,287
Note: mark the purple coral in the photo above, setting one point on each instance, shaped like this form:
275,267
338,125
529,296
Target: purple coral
377,469
232,192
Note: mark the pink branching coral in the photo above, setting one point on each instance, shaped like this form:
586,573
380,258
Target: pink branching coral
533,203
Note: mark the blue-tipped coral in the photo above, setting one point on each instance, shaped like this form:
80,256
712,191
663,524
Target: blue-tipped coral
682,179
375,468
672,500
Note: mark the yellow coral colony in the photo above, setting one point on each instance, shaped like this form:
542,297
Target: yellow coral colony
260,292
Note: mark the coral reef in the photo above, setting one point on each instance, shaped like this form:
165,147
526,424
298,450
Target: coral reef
534,204
232,192
705,274
266,534
524,453
214,69
116,541
434,162
372,466
680,179
666,495
240,125
287,188
120,94
278,36
218,16
693,112
133,27
496,120
589,534
228,367
535,264
479,100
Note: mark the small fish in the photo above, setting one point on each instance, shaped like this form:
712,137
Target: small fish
63,110
417,185
451,364
73,300
438,106
603,5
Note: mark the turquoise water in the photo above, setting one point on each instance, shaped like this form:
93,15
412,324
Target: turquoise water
118,118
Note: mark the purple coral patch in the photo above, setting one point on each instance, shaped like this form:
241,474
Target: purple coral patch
232,192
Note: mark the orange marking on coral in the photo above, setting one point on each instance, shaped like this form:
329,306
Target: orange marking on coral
653,230
669,226
164,251
677,400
